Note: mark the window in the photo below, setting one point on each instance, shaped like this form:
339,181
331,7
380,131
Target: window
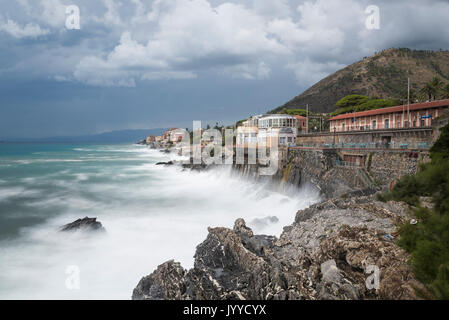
423,123
387,123
342,127
374,125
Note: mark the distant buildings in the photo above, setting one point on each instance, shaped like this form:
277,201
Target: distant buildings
173,135
150,139
417,116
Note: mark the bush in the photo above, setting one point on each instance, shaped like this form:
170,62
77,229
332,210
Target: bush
428,241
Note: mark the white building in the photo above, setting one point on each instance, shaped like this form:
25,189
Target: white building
281,125
260,129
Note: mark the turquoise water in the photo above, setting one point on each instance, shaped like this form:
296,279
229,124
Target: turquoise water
151,214
30,173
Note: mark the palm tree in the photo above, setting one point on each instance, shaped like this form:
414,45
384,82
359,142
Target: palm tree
429,90
445,92
437,84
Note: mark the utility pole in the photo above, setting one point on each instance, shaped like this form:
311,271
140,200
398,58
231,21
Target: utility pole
307,116
408,102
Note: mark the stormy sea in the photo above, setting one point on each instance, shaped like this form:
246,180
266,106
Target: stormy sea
151,214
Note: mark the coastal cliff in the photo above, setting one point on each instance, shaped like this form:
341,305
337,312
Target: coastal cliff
329,252
325,254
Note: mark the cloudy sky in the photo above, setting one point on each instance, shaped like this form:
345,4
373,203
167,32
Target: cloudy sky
163,63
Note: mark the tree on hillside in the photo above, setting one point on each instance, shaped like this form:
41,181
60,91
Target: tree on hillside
295,112
351,101
437,84
429,91
445,92
433,89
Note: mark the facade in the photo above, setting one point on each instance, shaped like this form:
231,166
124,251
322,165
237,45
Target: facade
247,136
302,124
419,115
282,125
259,129
173,135
150,139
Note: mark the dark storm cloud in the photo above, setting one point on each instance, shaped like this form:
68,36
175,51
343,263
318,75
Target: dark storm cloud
143,63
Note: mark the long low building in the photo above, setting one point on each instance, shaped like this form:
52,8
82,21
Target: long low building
418,115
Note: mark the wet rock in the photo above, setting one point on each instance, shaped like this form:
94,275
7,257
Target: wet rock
325,254
330,272
166,283
88,224
169,163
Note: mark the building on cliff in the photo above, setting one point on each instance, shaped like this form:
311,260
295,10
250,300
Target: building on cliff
418,115
260,129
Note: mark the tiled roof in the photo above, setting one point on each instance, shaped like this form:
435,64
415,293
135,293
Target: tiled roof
416,106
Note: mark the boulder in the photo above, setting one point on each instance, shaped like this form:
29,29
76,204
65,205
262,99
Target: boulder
88,224
169,163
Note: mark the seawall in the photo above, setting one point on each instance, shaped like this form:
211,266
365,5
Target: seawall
338,172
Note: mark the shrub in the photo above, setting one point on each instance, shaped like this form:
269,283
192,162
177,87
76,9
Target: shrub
428,241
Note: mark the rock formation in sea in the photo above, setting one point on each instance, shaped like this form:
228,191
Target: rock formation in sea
88,224
331,251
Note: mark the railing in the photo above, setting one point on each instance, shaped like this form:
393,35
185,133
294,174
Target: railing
378,127
368,145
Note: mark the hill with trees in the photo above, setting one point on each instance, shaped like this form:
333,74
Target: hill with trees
382,76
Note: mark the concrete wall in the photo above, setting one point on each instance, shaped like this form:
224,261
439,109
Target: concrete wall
322,167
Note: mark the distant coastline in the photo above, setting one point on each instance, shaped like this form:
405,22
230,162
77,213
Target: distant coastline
122,136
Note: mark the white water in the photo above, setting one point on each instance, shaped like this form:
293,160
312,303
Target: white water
151,213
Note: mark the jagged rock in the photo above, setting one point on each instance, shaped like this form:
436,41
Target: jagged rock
330,272
325,254
169,163
166,283
89,224
241,229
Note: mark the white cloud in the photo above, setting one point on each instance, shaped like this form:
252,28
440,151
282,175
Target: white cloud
29,30
251,39
53,13
190,36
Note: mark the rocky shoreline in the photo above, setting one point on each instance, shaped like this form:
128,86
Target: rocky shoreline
329,252
341,248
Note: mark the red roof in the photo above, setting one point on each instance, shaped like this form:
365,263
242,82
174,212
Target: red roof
415,106
300,118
